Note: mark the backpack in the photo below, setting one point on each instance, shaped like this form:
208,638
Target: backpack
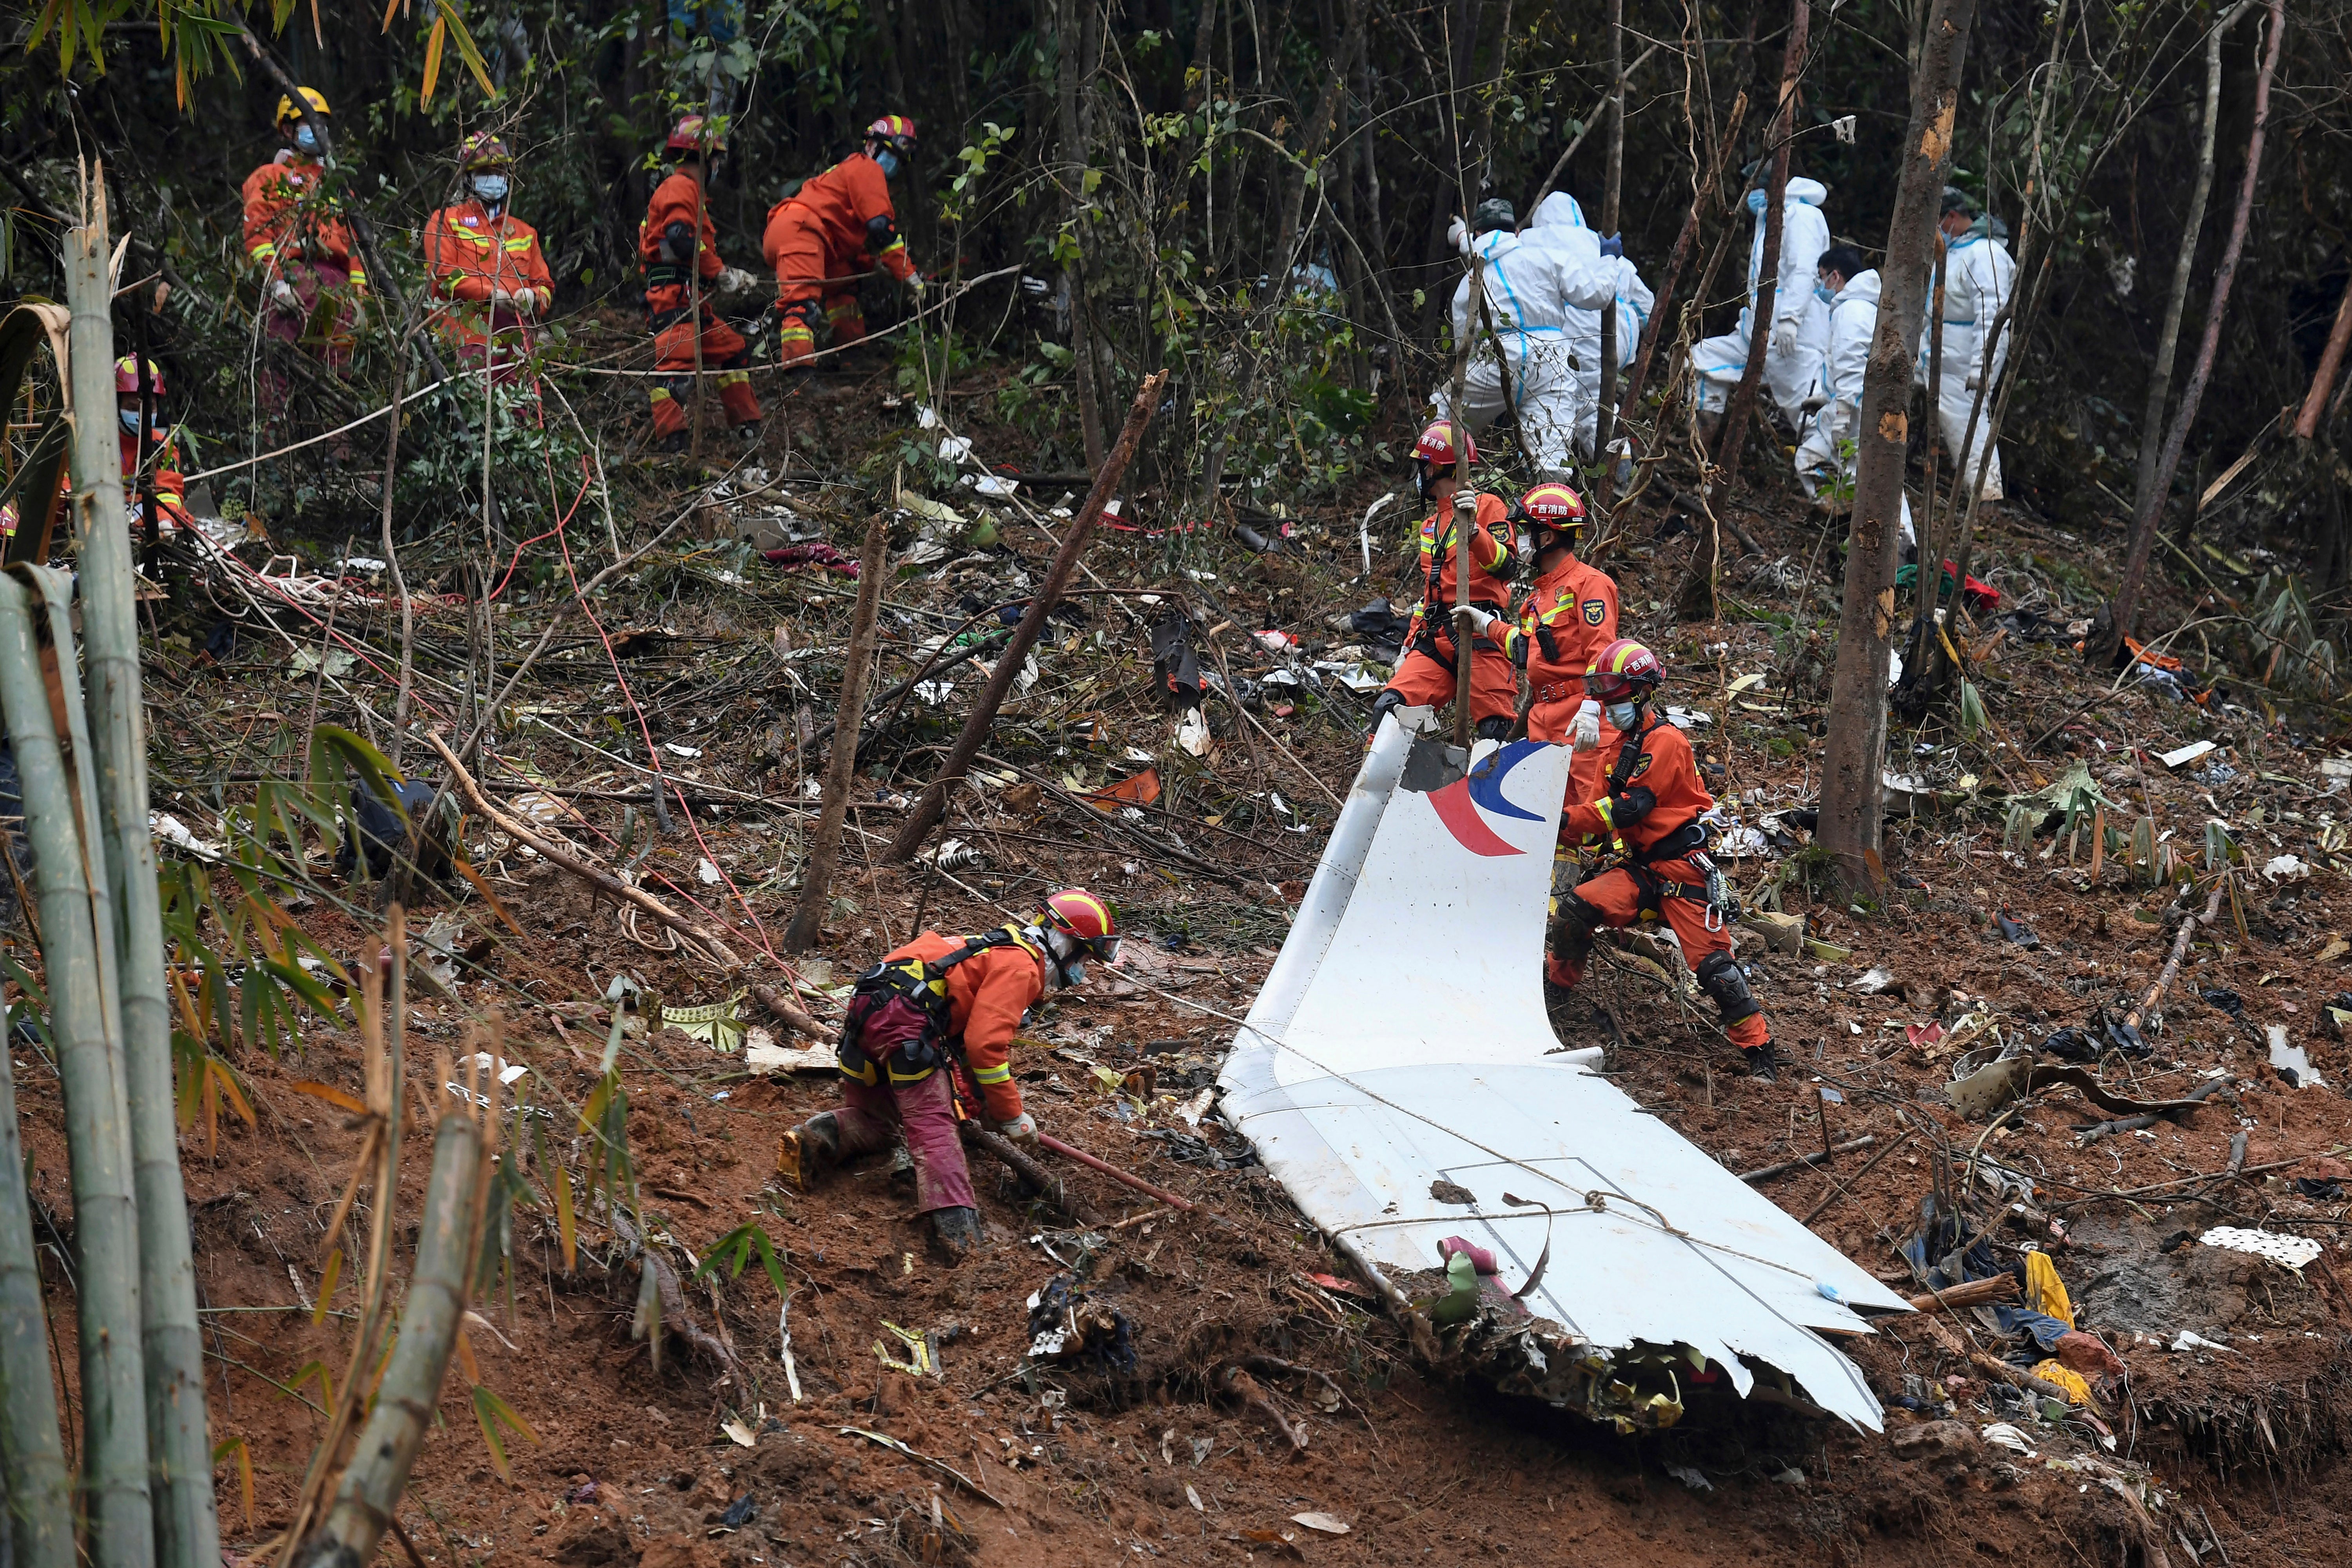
898,1014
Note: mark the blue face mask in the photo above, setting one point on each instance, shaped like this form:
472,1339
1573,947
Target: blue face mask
1825,294
1624,714
491,188
306,138
129,417
1755,201
888,160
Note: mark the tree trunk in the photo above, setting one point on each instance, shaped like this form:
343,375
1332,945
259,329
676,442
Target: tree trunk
1852,794
2331,365
2168,338
1613,182
816,881
1310,152
1070,66
1733,439
2108,640
32,1457
1702,196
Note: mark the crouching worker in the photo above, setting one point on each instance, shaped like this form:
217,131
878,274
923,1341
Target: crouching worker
1652,805
936,1003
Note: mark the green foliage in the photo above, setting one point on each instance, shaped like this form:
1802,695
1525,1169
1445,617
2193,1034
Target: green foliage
745,1242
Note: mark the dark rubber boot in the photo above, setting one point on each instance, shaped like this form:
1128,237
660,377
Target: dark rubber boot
809,1150
1761,1062
955,1234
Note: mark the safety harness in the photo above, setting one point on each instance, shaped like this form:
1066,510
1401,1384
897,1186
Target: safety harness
1687,842
898,1020
1424,640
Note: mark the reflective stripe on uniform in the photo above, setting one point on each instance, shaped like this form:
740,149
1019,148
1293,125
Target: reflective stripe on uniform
1002,1073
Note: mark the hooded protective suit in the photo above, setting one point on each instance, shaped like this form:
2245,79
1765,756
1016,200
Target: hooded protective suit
1852,318
1530,290
1560,227
1978,276
1798,318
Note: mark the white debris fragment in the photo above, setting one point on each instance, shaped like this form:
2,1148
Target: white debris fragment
2287,1251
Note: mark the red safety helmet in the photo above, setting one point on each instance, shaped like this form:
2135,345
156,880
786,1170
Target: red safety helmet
895,131
1078,914
484,152
126,376
686,136
1626,671
1436,445
1551,505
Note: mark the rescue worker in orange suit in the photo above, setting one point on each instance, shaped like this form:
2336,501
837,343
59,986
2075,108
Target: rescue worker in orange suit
836,226
989,983
1652,803
296,236
485,264
1570,615
161,453
678,243
1425,676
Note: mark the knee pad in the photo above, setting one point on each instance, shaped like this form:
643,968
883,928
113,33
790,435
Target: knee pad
1494,727
1719,977
1572,927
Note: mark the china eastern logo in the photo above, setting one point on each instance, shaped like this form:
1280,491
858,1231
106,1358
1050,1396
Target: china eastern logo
1460,804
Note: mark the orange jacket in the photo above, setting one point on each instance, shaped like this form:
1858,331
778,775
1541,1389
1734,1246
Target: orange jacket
171,490
1568,618
850,206
1661,793
468,253
677,199
987,994
1490,553
285,220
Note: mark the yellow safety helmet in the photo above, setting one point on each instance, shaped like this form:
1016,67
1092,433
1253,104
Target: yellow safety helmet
311,96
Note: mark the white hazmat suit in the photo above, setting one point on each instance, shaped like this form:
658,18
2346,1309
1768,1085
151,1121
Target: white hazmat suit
1792,359
1978,276
1852,318
1559,226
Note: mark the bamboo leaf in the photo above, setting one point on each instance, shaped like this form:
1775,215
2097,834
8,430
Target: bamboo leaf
566,1228
432,77
244,1472
331,1094
490,1413
327,1279
466,1362
226,1076
483,888
467,49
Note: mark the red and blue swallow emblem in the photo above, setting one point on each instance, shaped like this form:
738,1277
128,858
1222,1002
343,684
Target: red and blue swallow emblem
1459,804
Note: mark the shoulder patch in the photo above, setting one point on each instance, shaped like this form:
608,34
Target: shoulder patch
1595,611
1641,765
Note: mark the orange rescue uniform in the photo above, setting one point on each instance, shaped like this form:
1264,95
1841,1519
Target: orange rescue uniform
1651,798
987,994
171,490
834,226
292,232
468,254
669,310
1425,676
1570,617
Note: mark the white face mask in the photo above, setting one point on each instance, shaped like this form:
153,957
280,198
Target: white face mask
1624,715
491,188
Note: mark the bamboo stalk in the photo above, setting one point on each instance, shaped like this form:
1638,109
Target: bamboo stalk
77,929
187,1530
388,1444
40,1491
816,881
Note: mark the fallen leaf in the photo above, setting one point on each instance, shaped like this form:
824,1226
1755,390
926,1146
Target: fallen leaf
1320,1522
740,1433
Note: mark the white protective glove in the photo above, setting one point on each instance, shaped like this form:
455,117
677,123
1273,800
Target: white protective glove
1458,235
526,301
283,293
1584,730
1466,501
917,284
735,280
1480,619
1022,1129
1974,376
501,297
1784,339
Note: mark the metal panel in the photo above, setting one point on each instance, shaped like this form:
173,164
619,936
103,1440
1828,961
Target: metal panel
1401,1040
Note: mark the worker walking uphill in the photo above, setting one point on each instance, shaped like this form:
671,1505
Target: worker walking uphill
1652,805
295,233
835,227
679,246
1570,615
484,264
1978,277
940,1002
1427,676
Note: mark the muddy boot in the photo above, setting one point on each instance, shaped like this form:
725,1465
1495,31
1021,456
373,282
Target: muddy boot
955,1234
809,1150
1761,1062
902,1167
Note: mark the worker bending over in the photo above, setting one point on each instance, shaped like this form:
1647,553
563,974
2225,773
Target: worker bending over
484,265
1427,676
941,1002
295,233
835,227
1652,803
679,246
1570,615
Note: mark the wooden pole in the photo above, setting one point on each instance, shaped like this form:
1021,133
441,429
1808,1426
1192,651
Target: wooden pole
928,809
2331,365
187,1529
1459,434
816,881
1611,188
